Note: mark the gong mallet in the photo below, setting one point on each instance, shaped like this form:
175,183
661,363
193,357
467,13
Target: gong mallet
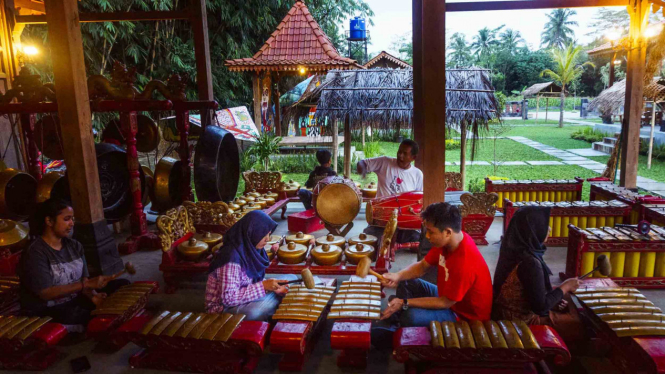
364,268
306,277
129,268
603,266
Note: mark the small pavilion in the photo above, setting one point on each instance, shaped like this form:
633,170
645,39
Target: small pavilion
297,46
546,90
385,60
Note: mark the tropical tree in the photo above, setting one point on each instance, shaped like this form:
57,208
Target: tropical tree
557,33
510,40
485,43
565,70
460,53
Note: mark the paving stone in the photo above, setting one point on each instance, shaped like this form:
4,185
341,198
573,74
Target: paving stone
538,163
587,152
573,158
478,163
655,186
511,163
448,163
580,163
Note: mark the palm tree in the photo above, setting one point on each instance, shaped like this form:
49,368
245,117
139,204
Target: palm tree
484,43
510,40
557,33
460,54
565,70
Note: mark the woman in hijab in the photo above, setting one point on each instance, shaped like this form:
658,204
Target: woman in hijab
236,281
522,288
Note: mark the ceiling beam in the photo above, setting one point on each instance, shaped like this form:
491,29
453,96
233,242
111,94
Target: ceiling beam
30,5
114,17
474,6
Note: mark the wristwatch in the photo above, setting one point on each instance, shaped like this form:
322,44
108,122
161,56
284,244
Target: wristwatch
405,304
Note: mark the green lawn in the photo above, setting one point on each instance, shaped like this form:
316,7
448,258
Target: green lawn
541,121
657,171
551,135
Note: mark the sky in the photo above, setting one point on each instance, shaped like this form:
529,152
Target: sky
392,19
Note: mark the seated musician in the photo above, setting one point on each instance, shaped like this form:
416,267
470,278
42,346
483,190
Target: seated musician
464,284
522,286
324,170
395,175
236,281
53,270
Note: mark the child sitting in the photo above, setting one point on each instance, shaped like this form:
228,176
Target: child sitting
323,156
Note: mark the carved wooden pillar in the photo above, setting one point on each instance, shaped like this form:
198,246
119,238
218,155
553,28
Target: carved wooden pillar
139,225
28,125
182,121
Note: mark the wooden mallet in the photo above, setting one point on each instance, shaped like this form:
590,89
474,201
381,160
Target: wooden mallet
129,268
364,268
603,266
306,277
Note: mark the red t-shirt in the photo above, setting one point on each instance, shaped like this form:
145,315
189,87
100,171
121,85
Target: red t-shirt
463,277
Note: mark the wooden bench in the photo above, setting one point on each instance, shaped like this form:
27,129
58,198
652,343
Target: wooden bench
535,190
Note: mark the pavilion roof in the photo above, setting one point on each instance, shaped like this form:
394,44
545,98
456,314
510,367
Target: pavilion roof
545,89
387,56
297,42
613,98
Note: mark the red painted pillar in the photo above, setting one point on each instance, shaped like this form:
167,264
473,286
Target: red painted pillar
28,125
139,225
182,121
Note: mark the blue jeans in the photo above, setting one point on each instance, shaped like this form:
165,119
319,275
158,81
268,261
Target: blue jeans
306,198
261,309
403,236
419,317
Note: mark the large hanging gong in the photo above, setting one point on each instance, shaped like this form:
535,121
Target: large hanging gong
48,137
114,181
148,135
52,185
216,165
168,182
17,194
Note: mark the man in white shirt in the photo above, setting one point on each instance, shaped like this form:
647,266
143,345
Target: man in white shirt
396,175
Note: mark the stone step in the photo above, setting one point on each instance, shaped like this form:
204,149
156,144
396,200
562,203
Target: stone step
610,141
603,147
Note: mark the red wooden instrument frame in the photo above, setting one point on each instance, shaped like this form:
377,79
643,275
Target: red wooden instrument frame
353,338
597,192
37,352
578,245
522,187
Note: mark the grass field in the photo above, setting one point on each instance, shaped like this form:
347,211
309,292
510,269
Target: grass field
551,135
657,171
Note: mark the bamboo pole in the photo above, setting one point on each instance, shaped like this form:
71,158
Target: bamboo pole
537,107
335,144
347,146
653,125
462,167
547,107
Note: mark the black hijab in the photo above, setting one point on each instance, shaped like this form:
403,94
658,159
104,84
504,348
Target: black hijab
524,238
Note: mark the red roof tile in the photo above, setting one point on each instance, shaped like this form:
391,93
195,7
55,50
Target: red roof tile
297,41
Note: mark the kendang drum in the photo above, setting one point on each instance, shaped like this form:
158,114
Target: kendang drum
336,200
408,205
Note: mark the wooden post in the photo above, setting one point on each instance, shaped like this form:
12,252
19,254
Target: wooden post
653,125
182,123
256,88
64,34
537,107
434,99
278,109
611,82
547,108
462,157
347,146
630,129
335,149
199,22
417,115
28,125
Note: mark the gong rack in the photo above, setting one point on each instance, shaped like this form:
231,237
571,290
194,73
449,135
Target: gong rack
116,95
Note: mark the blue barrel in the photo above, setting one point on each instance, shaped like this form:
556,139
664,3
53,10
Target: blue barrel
357,27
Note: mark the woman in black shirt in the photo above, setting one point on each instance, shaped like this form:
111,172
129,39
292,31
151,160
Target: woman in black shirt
522,288
53,271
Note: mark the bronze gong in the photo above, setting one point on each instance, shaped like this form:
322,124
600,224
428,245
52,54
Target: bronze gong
216,165
48,137
148,135
17,194
53,184
168,177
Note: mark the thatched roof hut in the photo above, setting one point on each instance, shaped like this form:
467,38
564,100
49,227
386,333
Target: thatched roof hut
546,89
611,99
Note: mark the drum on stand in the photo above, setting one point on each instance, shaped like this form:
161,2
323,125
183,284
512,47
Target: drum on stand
408,205
337,202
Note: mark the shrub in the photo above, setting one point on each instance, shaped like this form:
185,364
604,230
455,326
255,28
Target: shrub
453,144
372,149
588,134
476,185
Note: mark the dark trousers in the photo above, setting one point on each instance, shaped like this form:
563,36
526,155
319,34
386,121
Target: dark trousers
419,317
76,311
403,236
306,198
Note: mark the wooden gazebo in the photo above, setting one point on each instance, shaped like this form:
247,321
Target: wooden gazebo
546,90
385,60
297,46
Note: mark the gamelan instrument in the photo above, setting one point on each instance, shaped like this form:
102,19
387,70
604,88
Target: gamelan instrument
584,214
553,190
292,253
304,304
53,184
306,278
168,184
635,259
625,310
216,165
364,268
337,202
605,190
9,289
363,239
12,234
603,266
193,326
408,205
129,269
17,194
48,137
369,191
299,238
192,249
210,238
361,300
290,188
126,300
149,192
326,254
148,135
642,227
482,335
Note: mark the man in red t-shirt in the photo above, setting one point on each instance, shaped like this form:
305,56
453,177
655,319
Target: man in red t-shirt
464,285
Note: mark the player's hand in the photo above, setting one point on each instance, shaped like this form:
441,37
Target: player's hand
282,290
393,306
570,285
271,285
390,280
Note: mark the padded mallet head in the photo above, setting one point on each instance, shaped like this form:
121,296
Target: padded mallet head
307,278
129,267
363,267
604,265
